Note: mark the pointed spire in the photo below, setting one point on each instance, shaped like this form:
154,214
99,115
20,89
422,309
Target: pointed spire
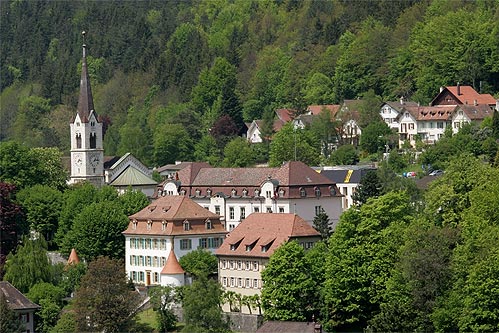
85,101
73,258
172,266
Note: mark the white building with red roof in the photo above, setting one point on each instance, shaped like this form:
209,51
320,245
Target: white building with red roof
167,229
247,249
234,193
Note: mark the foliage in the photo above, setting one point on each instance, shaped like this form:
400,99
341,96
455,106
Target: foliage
163,299
344,155
10,322
104,299
65,324
97,231
46,290
369,187
199,262
375,137
238,154
202,307
362,253
321,224
291,144
133,201
71,277
171,143
29,265
42,205
11,217
287,286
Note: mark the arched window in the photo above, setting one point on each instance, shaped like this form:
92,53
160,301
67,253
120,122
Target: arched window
233,192
93,140
78,140
317,192
208,224
303,193
187,225
208,192
198,192
332,190
245,192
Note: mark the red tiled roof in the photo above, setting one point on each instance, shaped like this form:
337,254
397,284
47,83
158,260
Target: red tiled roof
441,112
173,210
477,112
262,229
285,115
172,267
468,95
316,109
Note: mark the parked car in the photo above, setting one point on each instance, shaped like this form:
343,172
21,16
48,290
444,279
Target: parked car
436,173
410,174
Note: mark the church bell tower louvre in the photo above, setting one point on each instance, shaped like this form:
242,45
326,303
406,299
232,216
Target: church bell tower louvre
87,153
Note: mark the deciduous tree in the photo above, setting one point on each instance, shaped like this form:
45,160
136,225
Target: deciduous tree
104,301
199,263
163,300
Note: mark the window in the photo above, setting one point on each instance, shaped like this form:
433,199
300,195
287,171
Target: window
256,209
255,265
155,244
132,243
134,275
232,280
281,193
318,209
248,283
243,213
198,192
317,192
257,192
155,277
224,281
141,260
203,243
162,244
255,283
239,265
233,192
269,209
141,276
232,264
247,265
148,261
239,282
303,193
440,124
208,225
163,225
224,264
214,243
231,213
78,140
411,126
245,192
187,226
155,261
185,244
93,140
131,260
268,194
142,243
231,227
217,210
163,261
149,243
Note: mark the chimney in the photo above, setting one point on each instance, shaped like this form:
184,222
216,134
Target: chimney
458,89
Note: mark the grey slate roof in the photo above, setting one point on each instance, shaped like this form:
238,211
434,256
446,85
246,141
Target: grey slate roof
15,299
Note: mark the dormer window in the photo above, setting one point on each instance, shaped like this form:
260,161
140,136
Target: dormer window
149,224
245,192
303,193
332,190
257,192
198,192
208,192
233,192
182,192
187,225
317,192
208,225
163,225
281,193
134,224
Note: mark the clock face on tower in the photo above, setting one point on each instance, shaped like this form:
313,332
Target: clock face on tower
94,160
78,159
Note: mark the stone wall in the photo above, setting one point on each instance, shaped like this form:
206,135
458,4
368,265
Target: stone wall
247,323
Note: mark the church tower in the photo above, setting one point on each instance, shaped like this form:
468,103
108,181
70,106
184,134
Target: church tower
87,153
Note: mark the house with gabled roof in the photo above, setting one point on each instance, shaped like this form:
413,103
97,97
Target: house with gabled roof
282,117
21,305
469,114
167,229
390,111
462,95
247,249
234,193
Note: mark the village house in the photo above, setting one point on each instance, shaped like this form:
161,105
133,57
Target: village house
247,249
164,231
21,305
234,193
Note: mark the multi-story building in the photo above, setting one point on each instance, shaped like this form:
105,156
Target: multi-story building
21,305
234,193
246,250
167,229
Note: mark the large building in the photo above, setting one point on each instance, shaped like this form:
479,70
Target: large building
247,249
234,193
163,232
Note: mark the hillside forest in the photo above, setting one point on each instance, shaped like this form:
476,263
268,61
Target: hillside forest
177,80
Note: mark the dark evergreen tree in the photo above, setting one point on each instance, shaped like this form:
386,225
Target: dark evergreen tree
369,187
321,224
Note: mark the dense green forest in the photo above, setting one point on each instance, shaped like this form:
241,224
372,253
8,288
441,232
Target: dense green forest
173,79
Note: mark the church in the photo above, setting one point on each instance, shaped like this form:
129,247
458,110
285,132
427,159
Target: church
88,162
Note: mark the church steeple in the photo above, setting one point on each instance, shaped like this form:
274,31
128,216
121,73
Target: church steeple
85,101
